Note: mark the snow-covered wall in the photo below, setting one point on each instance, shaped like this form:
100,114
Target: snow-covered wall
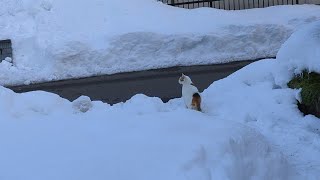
59,39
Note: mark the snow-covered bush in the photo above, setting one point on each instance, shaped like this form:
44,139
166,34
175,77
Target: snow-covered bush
300,54
310,92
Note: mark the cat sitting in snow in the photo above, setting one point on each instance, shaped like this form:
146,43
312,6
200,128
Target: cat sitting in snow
190,93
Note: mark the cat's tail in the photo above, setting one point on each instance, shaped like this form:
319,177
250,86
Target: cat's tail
196,101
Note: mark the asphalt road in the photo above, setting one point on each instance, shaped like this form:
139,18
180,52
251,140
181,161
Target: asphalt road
116,88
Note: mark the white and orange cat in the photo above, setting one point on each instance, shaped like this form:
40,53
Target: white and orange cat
190,93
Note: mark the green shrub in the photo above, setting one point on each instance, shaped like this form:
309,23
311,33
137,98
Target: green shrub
310,93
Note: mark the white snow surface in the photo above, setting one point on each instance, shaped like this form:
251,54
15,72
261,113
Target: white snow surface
251,128
58,39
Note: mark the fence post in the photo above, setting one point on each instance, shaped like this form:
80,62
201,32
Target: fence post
211,4
297,1
172,2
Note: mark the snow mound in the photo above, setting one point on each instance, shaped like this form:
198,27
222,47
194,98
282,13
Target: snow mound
143,104
82,104
301,52
8,59
25,104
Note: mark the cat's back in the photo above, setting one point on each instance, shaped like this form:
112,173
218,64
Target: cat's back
189,89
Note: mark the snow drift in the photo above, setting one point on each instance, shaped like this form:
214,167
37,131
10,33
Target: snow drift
54,40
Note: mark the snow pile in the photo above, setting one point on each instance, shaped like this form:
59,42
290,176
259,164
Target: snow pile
301,52
251,128
55,40
8,59
252,97
82,104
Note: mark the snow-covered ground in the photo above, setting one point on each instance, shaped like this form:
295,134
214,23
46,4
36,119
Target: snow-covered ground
251,128
58,39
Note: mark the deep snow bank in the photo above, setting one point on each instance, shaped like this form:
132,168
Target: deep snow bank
55,40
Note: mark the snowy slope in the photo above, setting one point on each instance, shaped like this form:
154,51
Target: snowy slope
251,128
59,39
129,142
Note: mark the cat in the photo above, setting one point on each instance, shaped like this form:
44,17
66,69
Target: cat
190,93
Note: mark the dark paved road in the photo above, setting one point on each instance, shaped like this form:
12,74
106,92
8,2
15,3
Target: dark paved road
116,88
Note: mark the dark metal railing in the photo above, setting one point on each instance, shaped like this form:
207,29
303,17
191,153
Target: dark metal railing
233,4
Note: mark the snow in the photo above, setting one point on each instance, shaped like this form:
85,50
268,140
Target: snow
49,141
301,52
259,102
251,128
8,59
82,104
51,42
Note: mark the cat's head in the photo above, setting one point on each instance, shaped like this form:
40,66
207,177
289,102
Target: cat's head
184,79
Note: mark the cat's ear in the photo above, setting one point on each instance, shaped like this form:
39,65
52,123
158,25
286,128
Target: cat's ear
183,75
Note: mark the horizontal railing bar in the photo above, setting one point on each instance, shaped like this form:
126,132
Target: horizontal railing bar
191,2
